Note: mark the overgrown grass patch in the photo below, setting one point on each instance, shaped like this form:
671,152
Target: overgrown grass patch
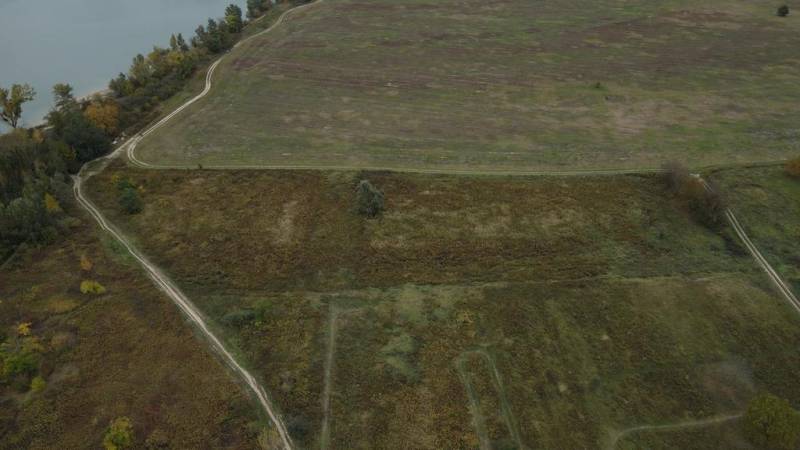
579,307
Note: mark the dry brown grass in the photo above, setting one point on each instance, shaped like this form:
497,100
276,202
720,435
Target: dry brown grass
127,352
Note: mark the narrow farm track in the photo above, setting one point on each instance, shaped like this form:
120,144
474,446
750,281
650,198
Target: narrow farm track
619,435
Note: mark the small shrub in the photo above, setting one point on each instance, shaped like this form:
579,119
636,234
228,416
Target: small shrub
86,263
24,329
38,384
128,195
130,201
783,11
119,435
369,199
770,422
793,168
92,287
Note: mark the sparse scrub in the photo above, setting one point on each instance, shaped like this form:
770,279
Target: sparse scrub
793,167
370,200
703,199
772,423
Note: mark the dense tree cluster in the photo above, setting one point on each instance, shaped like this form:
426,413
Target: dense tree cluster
158,75
33,186
35,164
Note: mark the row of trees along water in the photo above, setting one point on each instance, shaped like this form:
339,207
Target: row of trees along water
35,163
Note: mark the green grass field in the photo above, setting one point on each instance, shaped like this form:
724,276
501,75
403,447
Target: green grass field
514,312
507,86
767,202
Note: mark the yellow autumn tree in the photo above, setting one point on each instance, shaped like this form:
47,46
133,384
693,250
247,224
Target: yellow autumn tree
24,329
104,115
51,204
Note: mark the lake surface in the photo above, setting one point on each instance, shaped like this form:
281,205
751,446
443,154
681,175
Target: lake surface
87,42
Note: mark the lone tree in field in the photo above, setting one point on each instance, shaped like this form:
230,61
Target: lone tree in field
771,423
369,199
783,11
793,167
703,200
11,101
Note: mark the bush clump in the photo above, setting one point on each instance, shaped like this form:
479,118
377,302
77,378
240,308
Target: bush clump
771,423
92,287
119,435
369,199
793,167
783,11
702,199
128,197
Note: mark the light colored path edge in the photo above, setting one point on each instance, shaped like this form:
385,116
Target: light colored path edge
716,420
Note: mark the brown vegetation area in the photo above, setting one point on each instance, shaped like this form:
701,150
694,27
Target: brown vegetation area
122,351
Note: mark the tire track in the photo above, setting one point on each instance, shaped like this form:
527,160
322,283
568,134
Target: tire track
619,435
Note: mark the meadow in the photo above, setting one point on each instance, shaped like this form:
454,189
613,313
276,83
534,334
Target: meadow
500,86
512,312
767,201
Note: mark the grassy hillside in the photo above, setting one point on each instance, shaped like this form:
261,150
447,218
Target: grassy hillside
767,203
123,353
514,85
543,312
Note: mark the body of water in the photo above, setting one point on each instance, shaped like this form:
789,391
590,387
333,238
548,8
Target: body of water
87,42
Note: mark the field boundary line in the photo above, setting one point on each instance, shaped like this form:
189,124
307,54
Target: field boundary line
617,436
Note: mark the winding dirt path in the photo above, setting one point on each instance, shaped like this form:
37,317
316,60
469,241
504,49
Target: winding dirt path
619,435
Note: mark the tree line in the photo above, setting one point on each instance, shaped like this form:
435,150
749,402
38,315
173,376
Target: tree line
35,164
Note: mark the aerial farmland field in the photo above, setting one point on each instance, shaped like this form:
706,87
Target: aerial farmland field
500,86
476,312
414,224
